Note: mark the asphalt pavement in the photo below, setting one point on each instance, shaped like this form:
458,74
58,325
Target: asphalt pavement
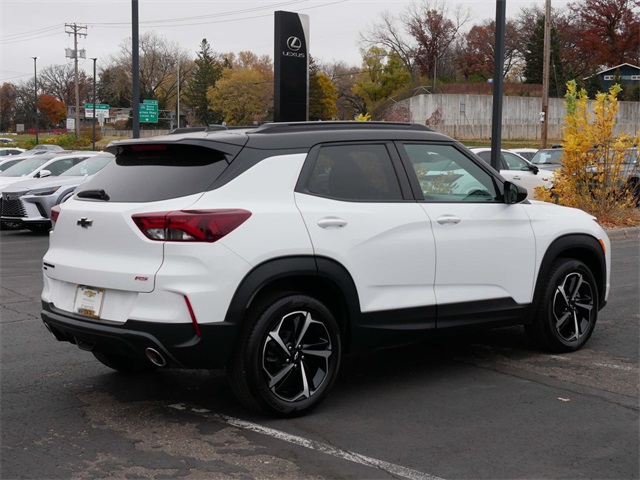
482,406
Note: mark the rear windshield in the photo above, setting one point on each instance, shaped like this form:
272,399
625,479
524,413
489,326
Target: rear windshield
149,173
548,157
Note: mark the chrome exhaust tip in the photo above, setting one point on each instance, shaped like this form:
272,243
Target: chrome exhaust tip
155,357
48,327
52,332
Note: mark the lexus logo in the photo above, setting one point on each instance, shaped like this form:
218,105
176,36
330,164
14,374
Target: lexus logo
294,44
85,223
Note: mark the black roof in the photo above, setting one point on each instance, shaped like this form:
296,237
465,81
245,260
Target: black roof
294,135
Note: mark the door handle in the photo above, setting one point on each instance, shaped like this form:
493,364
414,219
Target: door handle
516,177
331,222
448,220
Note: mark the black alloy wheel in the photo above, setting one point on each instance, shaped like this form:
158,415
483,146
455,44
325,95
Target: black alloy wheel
567,308
573,306
288,356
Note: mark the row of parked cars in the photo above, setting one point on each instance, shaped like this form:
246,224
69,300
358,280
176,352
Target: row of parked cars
34,181
532,168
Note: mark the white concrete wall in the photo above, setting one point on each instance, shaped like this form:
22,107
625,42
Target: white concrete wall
469,116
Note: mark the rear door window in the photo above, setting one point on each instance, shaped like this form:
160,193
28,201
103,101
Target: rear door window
355,172
149,173
59,166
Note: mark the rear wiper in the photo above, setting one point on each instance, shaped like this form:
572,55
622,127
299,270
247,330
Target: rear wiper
97,194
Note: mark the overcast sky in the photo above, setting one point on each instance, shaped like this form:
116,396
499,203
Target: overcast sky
37,28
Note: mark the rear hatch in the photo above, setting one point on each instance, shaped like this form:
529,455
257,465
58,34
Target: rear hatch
97,243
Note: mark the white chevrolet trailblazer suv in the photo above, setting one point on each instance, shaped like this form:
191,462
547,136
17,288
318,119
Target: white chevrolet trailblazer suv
275,250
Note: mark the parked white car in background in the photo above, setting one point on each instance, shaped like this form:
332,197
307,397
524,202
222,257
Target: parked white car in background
8,151
40,166
518,170
526,153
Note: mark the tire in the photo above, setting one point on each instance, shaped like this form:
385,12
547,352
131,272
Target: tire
567,309
124,364
634,188
287,357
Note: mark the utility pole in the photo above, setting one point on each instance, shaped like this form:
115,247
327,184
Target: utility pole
544,115
75,30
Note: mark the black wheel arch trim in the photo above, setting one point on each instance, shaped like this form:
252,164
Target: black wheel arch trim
333,283
583,247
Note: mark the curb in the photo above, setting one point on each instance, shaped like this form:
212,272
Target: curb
623,232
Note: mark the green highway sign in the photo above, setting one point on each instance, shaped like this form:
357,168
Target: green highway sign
149,111
101,109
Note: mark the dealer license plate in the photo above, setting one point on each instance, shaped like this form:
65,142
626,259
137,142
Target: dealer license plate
89,301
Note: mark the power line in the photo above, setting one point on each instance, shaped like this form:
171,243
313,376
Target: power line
21,40
190,21
15,36
202,17
12,38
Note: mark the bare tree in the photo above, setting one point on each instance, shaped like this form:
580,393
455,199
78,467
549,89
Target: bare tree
8,97
343,77
421,36
391,35
434,28
159,60
59,81
24,105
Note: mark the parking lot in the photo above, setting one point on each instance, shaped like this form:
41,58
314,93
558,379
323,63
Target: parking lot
482,406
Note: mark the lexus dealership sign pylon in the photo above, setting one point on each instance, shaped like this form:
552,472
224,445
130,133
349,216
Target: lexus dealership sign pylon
291,67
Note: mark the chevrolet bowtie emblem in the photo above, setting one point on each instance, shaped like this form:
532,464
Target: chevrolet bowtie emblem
85,223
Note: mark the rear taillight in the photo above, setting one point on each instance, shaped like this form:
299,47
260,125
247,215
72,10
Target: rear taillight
190,225
55,213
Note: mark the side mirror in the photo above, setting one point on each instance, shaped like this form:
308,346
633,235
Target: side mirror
534,169
514,193
43,173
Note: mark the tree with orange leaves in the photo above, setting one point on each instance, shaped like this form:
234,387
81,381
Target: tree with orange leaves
52,108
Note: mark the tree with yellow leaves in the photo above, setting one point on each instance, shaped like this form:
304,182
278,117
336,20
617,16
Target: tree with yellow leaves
594,175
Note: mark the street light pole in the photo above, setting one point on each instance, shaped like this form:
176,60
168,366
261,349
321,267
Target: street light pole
178,93
135,57
35,95
94,103
544,117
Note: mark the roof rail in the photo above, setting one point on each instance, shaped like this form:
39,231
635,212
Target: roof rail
287,127
215,127
180,130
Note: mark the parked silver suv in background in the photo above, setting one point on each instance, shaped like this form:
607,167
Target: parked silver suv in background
27,204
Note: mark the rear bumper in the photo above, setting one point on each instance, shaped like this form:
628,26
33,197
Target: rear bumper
27,222
177,343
